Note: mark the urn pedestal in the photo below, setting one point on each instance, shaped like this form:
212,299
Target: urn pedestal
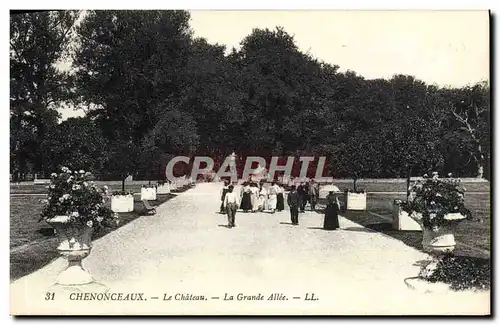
436,242
75,244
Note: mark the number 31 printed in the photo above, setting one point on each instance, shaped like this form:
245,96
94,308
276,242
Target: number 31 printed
50,295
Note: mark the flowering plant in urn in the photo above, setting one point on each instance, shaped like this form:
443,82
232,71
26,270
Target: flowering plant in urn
76,208
436,201
73,194
438,205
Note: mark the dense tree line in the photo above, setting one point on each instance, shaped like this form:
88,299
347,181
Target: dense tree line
151,91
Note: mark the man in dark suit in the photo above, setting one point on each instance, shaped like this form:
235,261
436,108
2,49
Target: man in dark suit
293,200
302,190
223,193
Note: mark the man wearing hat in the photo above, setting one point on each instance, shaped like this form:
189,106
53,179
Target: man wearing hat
231,204
293,200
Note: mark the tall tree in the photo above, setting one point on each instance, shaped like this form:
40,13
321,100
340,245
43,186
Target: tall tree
130,71
412,136
279,83
470,108
38,42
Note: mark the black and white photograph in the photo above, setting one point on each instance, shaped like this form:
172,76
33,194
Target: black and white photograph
250,162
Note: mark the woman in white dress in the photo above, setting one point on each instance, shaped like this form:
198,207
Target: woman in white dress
254,191
273,197
262,198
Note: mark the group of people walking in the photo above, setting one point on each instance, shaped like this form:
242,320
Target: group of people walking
254,197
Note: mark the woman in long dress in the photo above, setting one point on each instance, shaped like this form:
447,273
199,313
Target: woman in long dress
280,199
262,198
272,197
246,201
254,195
331,221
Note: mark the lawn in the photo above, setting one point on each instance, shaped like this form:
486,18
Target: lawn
32,243
399,185
473,237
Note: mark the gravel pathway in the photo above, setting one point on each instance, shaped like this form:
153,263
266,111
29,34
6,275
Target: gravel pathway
185,251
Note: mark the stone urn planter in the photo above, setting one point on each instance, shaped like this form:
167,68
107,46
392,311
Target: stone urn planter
163,189
76,208
122,203
74,245
441,239
436,242
438,206
148,193
355,201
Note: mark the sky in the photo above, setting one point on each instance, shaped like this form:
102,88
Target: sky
447,48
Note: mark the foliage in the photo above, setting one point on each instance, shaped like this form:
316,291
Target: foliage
77,143
461,273
434,198
147,50
469,112
357,157
74,194
155,91
38,41
122,193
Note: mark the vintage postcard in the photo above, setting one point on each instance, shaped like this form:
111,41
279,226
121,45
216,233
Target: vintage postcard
183,162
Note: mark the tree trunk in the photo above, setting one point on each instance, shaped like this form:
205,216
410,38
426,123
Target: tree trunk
123,184
480,163
408,180
355,185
